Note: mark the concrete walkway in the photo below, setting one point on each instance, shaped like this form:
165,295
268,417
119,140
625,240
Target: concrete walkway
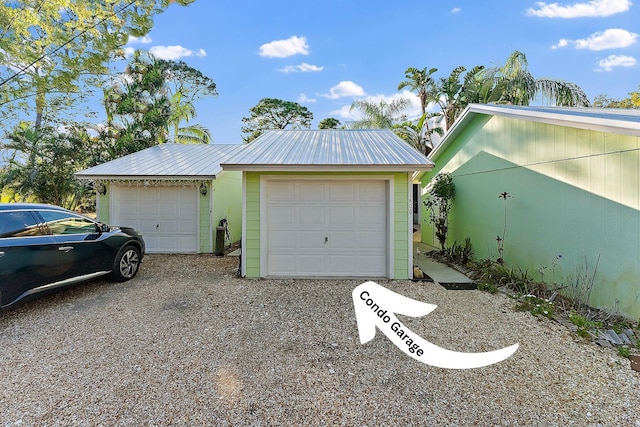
439,272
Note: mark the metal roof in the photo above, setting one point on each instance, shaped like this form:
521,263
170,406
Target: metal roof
612,120
329,150
166,161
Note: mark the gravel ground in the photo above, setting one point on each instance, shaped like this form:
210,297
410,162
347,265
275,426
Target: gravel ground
185,343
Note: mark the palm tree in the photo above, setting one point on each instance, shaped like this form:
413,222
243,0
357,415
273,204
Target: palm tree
453,95
512,83
182,111
419,134
380,115
421,82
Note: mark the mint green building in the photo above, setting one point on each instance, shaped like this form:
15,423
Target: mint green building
328,203
175,194
572,208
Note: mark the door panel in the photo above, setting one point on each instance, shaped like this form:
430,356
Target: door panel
327,228
167,217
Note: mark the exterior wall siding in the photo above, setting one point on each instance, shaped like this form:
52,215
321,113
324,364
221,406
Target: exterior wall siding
205,228
227,202
401,220
103,203
223,200
574,210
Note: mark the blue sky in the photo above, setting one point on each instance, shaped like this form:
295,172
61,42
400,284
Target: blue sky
324,55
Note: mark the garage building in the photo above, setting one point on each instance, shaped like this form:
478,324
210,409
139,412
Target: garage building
328,203
174,194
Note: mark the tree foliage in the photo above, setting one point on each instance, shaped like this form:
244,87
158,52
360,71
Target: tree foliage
455,92
149,103
138,109
50,49
421,82
512,83
380,115
43,164
632,101
440,195
185,85
272,113
329,123
419,134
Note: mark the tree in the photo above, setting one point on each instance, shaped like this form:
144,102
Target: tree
185,85
50,49
440,195
329,123
272,113
454,94
512,83
43,164
420,134
138,109
632,101
421,82
381,115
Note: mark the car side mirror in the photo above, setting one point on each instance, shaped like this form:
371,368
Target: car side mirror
104,228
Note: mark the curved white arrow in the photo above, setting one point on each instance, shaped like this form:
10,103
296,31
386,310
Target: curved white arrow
376,306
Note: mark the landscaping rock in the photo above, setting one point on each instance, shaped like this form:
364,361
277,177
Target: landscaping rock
629,333
603,343
615,339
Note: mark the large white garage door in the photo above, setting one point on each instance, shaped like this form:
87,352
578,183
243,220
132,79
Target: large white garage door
326,228
167,217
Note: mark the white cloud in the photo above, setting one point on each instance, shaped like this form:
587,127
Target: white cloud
455,10
561,43
294,45
139,40
302,68
343,89
175,52
612,61
128,51
345,112
593,8
613,38
304,98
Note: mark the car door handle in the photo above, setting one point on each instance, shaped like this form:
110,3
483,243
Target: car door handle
65,248
1,253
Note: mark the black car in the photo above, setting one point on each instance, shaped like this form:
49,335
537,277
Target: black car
43,247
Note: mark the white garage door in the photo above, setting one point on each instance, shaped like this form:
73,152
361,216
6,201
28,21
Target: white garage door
167,217
326,228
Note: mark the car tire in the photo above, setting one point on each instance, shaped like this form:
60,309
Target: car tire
126,264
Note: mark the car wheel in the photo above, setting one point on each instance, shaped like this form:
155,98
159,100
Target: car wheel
126,264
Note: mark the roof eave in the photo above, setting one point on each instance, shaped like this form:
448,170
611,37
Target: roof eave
584,122
575,121
99,177
326,168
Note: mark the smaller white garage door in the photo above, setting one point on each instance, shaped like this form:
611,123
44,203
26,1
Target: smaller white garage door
167,217
326,228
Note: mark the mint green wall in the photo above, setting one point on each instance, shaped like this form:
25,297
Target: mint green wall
227,202
103,205
225,192
206,230
576,193
400,228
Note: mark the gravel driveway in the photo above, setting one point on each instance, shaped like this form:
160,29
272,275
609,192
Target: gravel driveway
186,344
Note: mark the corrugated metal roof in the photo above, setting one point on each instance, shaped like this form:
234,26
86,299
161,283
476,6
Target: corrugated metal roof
170,161
329,149
612,120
